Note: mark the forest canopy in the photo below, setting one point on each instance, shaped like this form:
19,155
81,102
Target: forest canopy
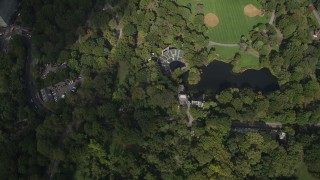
125,120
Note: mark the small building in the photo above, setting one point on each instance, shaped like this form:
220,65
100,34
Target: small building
197,103
183,99
282,135
7,9
198,100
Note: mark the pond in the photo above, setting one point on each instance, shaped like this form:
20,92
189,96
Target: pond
218,76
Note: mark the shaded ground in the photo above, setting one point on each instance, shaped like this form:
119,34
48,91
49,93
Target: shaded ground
303,173
315,13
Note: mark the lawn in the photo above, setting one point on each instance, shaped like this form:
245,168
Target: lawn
233,23
226,53
247,61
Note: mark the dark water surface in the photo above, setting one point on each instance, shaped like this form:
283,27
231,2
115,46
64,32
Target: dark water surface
218,76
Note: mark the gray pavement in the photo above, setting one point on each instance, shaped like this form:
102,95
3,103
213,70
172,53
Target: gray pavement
212,43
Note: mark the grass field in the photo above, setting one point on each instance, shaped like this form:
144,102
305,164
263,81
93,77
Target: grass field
233,23
226,53
247,62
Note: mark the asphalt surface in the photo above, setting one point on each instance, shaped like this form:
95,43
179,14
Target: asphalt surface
212,43
31,91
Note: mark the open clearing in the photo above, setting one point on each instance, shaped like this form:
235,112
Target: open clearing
227,21
232,20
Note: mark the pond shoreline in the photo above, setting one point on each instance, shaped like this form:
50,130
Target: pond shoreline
218,75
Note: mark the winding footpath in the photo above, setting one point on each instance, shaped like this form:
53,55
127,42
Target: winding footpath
212,43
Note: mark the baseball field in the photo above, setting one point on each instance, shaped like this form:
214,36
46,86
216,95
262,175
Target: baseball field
227,20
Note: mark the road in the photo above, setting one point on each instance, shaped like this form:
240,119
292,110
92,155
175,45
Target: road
30,89
260,125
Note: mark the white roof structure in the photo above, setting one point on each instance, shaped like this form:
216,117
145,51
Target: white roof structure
183,99
282,135
197,103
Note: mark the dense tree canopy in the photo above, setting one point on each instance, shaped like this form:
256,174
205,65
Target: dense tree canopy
125,122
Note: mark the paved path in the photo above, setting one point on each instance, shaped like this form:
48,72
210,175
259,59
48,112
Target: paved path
316,13
273,17
191,119
263,125
212,43
274,124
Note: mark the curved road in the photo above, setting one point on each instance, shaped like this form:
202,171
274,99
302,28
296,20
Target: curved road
30,87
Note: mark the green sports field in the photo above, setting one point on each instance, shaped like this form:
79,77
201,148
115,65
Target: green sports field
233,23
